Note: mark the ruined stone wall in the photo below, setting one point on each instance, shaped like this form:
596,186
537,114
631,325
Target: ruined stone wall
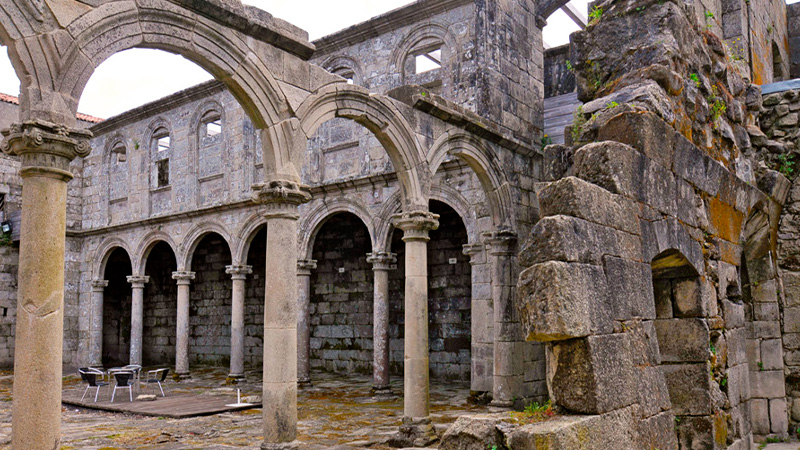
793,19
117,311
210,303
757,34
160,308
558,79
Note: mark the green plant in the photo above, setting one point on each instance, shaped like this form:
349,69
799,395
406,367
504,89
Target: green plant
723,382
136,144
5,240
696,78
595,14
712,349
546,140
709,17
570,67
716,104
612,105
786,165
534,413
760,366
578,120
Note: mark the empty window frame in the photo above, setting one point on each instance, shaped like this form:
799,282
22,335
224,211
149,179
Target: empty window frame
163,142
162,169
429,60
119,152
211,125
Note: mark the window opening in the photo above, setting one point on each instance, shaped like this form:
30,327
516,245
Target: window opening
214,128
119,152
163,172
163,143
432,60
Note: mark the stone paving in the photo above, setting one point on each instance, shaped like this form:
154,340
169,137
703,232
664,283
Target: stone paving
338,412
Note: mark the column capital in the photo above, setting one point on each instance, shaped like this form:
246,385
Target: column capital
305,266
137,281
46,148
476,252
382,260
501,242
238,272
281,198
416,224
183,277
99,285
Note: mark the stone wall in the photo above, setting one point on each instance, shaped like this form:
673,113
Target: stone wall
558,79
117,310
757,34
160,307
793,17
254,301
210,303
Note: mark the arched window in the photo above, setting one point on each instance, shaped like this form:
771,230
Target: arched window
161,144
345,67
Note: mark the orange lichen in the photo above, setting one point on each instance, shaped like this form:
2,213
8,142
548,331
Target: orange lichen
726,219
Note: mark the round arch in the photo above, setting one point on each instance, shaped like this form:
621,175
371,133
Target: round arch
193,238
104,251
317,217
244,237
452,198
422,36
341,65
384,120
484,163
383,222
146,244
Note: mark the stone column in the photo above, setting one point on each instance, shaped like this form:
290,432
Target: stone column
184,280
304,268
417,428
482,324
238,275
137,317
382,263
96,323
508,342
45,150
280,200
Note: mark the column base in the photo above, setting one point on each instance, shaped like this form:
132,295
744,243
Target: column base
501,404
294,445
415,432
234,379
182,376
479,398
382,392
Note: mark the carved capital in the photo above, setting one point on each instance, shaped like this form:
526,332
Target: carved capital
382,260
416,224
501,242
138,282
238,272
305,266
99,285
46,148
183,277
476,253
281,198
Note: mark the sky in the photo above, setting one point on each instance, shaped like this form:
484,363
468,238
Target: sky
127,80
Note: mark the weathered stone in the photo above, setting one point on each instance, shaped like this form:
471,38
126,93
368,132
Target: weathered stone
683,340
611,430
633,297
476,433
689,388
644,132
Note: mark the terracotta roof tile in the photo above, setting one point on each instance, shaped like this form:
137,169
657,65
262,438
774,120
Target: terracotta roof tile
84,117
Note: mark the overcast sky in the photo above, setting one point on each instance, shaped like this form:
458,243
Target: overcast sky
134,77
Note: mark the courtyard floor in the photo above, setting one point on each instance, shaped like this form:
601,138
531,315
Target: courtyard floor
338,412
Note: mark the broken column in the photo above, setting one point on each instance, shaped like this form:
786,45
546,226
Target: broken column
382,263
96,323
46,150
239,276
184,280
137,316
304,268
280,200
417,428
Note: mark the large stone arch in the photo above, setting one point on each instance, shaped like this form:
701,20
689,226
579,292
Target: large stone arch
146,244
452,198
380,116
192,240
244,237
104,251
317,217
486,167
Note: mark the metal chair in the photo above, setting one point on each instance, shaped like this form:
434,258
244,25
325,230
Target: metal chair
123,379
89,376
158,377
137,373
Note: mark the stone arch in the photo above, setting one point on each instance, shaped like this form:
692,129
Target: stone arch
548,7
113,27
146,244
104,251
193,238
343,65
419,37
317,217
383,222
486,167
381,117
452,198
244,237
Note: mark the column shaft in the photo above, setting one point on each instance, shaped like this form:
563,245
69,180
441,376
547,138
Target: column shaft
137,317
239,276
304,268
381,264
184,280
96,323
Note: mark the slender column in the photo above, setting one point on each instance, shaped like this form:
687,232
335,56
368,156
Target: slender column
382,263
238,275
508,342
137,317
184,280
46,150
304,268
96,323
280,200
416,412
482,324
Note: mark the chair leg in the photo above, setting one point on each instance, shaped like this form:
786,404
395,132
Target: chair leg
113,394
130,392
96,394
85,391
162,389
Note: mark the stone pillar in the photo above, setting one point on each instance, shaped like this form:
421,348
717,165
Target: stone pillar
382,263
238,275
137,317
45,150
184,280
304,268
280,200
508,343
96,323
417,428
482,324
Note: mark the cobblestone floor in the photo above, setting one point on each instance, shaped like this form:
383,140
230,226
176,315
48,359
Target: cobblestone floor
338,412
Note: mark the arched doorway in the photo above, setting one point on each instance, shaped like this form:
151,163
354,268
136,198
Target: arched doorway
117,310
160,307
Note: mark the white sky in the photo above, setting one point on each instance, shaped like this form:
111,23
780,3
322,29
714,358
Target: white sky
128,79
